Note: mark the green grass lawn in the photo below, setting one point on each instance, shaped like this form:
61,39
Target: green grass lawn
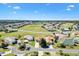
32,43
10,54
32,27
67,54
3,50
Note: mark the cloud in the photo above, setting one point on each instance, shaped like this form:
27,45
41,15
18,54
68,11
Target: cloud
17,7
70,7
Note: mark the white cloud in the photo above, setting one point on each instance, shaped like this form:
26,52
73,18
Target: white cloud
17,7
68,9
71,6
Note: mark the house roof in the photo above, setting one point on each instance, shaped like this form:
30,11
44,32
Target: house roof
68,42
49,38
28,37
10,38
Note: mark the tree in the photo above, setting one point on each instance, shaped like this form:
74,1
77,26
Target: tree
4,45
47,54
19,36
22,47
62,45
43,43
61,52
34,53
0,35
68,34
66,54
6,31
56,39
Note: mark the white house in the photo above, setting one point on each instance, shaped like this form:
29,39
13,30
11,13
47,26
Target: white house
28,37
10,40
65,31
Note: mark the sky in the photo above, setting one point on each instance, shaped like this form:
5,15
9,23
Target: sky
39,11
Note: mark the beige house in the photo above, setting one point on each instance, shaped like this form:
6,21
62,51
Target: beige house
37,42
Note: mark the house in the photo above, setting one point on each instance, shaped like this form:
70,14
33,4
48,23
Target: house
25,41
65,31
50,39
9,29
68,42
8,25
76,26
1,53
76,39
71,42
37,42
28,37
12,30
1,28
61,37
76,33
51,26
10,40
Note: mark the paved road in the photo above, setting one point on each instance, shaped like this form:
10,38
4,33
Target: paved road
21,53
55,50
16,51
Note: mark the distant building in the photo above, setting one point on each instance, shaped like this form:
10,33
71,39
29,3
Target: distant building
1,28
76,26
65,31
51,26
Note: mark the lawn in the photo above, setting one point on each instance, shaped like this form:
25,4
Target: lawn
32,29
3,50
67,54
10,54
32,43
